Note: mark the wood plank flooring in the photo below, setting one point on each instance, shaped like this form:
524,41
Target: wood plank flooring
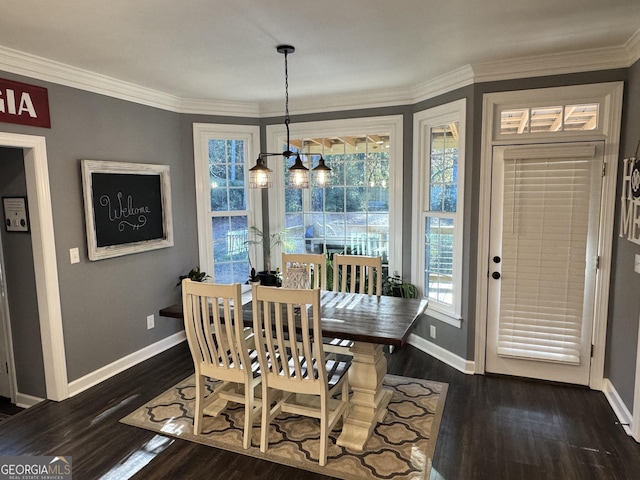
493,428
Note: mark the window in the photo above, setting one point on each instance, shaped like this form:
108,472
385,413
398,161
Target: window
545,119
438,188
226,207
357,212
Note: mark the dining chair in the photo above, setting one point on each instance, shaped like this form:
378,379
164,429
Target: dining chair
357,274
294,365
222,349
294,263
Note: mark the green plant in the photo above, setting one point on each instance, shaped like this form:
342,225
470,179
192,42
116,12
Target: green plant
393,286
194,274
268,242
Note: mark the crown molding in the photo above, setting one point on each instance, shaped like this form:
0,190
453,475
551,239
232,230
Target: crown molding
458,78
633,48
337,103
553,64
219,107
32,66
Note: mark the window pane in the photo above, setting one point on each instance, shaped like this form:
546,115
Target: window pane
443,168
438,241
581,117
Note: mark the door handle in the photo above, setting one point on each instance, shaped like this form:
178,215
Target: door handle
496,275
497,259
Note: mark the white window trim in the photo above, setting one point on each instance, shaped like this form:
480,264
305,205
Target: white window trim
422,123
202,133
276,136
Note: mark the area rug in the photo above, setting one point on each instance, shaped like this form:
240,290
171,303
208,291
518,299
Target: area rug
401,447
4,416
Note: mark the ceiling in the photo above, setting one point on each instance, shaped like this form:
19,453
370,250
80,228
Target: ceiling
226,50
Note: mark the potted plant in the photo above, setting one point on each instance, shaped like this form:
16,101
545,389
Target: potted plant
268,242
394,286
194,274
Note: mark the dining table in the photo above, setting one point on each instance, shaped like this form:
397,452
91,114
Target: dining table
370,322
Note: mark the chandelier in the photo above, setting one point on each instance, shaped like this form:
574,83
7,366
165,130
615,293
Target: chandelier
260,174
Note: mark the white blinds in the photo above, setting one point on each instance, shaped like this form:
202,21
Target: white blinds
544,248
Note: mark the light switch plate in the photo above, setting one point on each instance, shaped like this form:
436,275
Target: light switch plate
636,264
74,255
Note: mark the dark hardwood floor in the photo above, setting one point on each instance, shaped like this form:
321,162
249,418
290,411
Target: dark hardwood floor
493,428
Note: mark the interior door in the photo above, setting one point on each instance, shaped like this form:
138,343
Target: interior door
545,214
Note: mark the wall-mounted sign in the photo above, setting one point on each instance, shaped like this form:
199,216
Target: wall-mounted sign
127,207
630,208
24,104
16,218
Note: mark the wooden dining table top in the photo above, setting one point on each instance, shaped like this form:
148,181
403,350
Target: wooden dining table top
352,316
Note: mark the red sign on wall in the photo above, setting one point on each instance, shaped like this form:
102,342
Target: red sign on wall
24,104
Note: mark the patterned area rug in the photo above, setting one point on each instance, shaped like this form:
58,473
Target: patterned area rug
401,447
4,416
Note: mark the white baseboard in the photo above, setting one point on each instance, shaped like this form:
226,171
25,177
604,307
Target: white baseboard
108,371
451,359
619,408
26,401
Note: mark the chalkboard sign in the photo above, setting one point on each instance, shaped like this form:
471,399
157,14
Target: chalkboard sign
127,208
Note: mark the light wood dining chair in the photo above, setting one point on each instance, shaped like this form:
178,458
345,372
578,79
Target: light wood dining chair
357,274
222,349
295,365
314,263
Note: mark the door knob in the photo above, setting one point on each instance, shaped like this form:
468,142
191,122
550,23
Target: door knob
496,275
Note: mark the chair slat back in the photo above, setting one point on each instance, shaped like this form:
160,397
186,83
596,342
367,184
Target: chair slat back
214,326
290,362
357,274
315,264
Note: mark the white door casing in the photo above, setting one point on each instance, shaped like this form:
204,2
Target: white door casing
609,97
44,259
543,247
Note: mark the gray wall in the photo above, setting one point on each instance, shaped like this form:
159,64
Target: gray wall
624,307
19,276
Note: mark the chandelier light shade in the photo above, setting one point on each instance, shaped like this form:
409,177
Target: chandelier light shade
260,174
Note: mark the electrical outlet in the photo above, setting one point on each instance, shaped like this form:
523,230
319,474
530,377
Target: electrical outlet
432,331
150,322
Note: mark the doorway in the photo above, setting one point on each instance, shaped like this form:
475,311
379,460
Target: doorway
44,259
603,131
545,215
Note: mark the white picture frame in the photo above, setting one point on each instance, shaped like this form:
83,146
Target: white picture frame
127,207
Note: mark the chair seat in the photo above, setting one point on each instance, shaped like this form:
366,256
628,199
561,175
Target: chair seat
335,370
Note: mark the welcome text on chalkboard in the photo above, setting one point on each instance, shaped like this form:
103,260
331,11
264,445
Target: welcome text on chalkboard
127,208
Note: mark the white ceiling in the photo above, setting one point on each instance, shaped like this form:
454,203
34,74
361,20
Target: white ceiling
224,50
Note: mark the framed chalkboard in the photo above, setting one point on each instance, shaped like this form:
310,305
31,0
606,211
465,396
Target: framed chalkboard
127,207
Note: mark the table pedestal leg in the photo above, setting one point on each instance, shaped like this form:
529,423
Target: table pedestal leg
368,402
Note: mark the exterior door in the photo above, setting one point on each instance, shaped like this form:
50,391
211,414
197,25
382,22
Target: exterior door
545,214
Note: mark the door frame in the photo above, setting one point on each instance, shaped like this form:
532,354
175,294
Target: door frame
609,96
44,259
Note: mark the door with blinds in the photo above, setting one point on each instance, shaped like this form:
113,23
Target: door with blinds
545,213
